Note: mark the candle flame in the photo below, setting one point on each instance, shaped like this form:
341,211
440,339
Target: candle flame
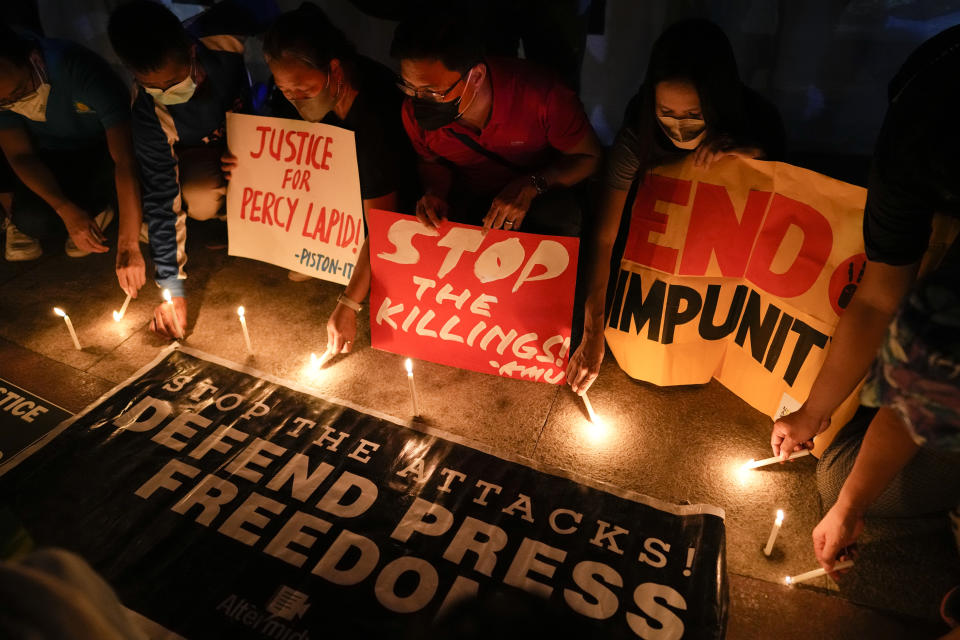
409,366
597,431
779,516
166,295
788,581
240,312
60,312
116,316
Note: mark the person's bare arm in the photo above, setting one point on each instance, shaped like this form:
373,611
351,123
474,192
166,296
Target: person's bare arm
886,449
855,343
585,362
573,166
342,324
131,268
35,174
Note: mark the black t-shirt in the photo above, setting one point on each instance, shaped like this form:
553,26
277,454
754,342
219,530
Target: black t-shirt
623,163
385,158
916,167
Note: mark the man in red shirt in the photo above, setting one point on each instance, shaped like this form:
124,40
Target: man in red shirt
500,141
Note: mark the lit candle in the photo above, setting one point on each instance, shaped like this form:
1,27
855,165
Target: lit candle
118,315
816,573
590,411
413,387
317,363
767,550
243,324
73,334
753,464
173,313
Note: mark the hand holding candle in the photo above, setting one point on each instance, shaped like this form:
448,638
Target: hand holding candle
178,330
413,387
816,573
767,550
73,334
754,464
243,324
589,406
118,315
318,363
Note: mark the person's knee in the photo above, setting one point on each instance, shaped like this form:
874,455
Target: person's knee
203,199
833,468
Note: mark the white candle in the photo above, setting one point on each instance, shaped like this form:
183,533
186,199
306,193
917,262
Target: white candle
118,315
816,573
317,363
73,334
173,313
413,387
767,550
243,324
590,411
753,464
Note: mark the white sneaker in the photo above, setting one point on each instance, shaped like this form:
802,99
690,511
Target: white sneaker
103,219
21,247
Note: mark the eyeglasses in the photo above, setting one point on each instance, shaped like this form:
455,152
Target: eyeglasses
436,96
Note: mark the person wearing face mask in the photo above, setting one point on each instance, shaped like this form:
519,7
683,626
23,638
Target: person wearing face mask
186,82
65,134
319,77
501,141
692,102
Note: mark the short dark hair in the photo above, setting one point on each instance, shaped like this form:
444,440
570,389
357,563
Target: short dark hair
14,47
308,35
146,35
438,31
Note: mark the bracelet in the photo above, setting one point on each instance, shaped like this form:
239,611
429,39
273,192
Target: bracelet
347,302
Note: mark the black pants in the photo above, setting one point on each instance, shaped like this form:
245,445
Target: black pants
85,176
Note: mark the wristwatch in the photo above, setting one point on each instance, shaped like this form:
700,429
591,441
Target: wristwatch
539,183
347,302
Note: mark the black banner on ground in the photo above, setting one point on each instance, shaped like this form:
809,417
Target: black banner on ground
24,419
223,504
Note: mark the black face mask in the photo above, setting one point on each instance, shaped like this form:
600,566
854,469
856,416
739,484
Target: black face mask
432,115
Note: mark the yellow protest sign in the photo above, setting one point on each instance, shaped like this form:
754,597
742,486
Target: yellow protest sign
738,272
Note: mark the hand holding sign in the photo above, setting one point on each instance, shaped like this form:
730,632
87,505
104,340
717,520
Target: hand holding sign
432,210
510,206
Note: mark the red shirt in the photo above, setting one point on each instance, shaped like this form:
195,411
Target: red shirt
533,118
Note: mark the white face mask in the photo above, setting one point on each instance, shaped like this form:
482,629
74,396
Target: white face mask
177,94
316,108
34,104
684,133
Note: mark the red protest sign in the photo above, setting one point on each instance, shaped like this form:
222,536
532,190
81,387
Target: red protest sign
499,303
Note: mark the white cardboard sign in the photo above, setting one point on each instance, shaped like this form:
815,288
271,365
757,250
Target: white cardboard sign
294,196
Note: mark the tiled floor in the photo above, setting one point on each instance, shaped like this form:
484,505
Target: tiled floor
677,444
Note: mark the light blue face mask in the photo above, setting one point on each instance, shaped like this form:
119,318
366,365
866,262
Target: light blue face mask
177,94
